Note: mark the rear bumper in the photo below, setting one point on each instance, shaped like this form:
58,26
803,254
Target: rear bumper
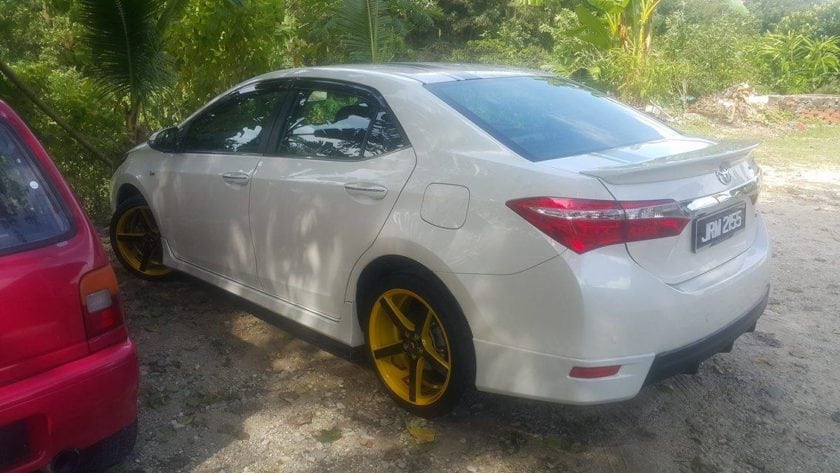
546,377
73,406
688,358
602,309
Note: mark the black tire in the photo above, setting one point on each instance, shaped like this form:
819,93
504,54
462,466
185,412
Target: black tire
457,332
159,272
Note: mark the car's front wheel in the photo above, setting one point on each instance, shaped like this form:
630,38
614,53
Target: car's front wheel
135,239
419,343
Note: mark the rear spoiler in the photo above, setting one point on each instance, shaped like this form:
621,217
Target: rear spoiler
693,163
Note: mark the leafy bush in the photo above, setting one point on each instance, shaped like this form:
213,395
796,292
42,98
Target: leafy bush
655,51
820,21
716,55
770,12
658,78
794,63
46,56
498,51
219,44
75,98
530,37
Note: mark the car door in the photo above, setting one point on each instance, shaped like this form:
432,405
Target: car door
205,187
319,201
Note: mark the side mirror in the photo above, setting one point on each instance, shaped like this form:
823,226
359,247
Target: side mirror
165,140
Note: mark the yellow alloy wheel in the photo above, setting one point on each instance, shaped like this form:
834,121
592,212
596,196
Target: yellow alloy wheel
138,242
409,347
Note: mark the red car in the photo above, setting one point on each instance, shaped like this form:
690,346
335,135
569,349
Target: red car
68,371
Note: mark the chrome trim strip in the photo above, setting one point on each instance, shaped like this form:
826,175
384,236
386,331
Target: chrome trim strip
700,205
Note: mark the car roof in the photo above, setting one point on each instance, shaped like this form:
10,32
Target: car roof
423,72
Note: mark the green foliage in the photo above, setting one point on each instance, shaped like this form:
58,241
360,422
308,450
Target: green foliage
217,44
658,78
706,12
770,12
50,59
367,29
716,55
498,51
122,35
530,37
376,30
467,20
127,59
794,63
640,50
624,28
74,97
601,32
820,21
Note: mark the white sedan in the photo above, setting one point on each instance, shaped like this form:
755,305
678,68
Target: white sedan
472,226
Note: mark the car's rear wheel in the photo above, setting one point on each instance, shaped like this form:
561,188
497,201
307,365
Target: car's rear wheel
135,238
419,344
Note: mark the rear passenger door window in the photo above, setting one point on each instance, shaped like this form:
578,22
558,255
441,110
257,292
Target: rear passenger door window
338,124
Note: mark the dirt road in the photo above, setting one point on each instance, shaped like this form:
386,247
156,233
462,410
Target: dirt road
224,391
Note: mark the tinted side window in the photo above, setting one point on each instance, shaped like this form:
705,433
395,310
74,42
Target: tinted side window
384,136
29,212
236,125
327,124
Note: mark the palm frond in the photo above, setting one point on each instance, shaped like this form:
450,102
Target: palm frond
367,30
123,35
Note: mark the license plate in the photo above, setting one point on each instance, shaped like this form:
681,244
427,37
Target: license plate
717,227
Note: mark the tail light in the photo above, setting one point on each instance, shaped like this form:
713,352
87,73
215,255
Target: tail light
101,308
583,224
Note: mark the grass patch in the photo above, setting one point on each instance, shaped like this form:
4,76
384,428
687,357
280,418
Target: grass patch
814,146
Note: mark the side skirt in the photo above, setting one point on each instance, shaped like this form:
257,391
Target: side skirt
343,329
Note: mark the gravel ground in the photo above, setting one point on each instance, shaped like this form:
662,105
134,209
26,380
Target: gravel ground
224,391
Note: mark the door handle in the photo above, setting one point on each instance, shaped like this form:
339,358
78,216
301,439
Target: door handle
371,191
240,178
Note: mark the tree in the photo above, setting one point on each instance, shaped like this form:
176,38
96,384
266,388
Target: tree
125,38
820,21
217,44
50,112
770,12
375,30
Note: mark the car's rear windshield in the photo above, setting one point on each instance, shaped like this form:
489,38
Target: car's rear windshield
546,117
30,215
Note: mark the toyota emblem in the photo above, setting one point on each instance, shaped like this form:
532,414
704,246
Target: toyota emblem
723,175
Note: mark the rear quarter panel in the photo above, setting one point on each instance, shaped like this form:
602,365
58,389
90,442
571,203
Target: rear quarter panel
493,239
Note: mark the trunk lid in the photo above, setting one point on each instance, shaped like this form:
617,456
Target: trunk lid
705,177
